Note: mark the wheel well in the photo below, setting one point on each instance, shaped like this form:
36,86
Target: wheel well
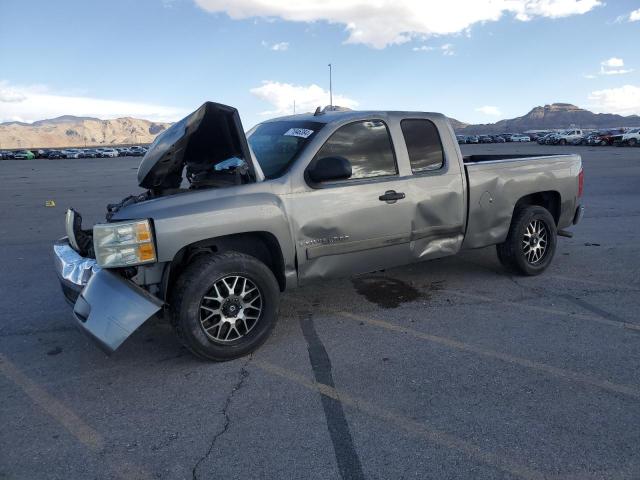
262,245
549,200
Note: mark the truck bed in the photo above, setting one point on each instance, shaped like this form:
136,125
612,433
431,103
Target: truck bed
497,182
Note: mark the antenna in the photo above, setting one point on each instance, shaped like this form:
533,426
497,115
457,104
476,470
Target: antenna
330,88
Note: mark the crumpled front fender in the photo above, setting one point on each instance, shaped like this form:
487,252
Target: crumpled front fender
110,308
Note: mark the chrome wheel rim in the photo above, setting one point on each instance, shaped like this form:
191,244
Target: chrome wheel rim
230,308
535,241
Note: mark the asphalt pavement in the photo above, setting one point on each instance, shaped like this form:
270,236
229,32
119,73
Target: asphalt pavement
446,369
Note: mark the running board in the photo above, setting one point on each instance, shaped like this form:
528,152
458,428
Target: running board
565,233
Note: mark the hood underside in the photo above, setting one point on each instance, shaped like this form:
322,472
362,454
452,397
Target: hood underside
209,142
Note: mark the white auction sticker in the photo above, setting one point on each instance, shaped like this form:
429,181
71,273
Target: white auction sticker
298,132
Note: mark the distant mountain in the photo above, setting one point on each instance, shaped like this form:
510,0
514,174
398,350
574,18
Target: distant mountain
70,131
554,116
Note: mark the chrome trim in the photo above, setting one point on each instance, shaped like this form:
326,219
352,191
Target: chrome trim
69,220
72,267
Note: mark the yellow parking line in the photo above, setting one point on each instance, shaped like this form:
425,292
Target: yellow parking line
552,311
628,390
596,282
414,427
69,420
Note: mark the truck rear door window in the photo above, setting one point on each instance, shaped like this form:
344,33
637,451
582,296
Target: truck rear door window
423,145
367,145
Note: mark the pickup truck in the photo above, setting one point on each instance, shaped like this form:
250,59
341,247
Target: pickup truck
228,221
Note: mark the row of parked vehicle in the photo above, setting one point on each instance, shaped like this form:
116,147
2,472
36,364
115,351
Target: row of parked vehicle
502,138
618,137
574,136
102,152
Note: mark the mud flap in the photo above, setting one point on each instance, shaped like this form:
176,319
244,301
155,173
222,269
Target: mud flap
110,308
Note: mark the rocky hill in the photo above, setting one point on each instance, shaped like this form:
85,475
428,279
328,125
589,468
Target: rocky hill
70,131
554,116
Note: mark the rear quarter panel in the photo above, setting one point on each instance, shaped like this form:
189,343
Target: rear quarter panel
496,187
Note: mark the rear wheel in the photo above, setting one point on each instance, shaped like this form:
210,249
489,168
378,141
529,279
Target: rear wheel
632,142
225,306
530,243
563,142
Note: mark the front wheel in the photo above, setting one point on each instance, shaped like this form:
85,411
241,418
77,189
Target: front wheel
225,306
530,243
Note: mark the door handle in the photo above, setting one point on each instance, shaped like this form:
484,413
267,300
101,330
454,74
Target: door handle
391,196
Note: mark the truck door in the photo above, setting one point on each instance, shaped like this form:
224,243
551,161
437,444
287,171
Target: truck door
359,224
436,191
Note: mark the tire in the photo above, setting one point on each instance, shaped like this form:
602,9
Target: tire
563,142
520,258
212,276
632,142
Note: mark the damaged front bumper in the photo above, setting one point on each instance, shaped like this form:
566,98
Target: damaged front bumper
106,306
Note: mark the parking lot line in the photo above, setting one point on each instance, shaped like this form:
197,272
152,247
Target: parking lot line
69,420
582,316
86,435
628,390
609,285
412,426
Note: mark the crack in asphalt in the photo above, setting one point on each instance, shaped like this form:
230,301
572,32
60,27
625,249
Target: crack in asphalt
244,373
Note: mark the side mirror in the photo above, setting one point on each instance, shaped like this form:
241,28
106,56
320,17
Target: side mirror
329,168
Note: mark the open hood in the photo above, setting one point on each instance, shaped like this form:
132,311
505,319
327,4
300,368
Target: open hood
201,141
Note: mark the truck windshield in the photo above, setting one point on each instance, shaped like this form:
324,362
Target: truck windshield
277,144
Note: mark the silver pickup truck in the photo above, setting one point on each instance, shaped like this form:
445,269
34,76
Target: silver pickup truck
228,221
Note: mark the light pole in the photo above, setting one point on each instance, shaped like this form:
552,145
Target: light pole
330,89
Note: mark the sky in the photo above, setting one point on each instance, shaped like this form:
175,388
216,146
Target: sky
474,60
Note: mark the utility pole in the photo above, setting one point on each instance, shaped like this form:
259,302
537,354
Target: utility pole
330,88
294,106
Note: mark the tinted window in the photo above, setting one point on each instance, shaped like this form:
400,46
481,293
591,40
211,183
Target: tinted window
423,145
366,145
277,144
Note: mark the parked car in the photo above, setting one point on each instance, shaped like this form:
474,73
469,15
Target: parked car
123,151
552,139
461,139
472,139
217,255
568,136
24,155
520,138
506,136
137,151
108,153
607,137
6,155
53,154
89,153
631,137
485,139
71,153
498,139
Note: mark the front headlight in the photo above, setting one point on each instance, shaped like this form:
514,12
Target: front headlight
122,244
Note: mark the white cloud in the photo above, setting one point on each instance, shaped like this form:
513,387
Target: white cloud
489,110
613,66
622,100
387,22
634,16
447,50
423,48
31,103
276,47
589,76
307,98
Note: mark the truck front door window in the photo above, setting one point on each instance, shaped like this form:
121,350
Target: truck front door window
367,146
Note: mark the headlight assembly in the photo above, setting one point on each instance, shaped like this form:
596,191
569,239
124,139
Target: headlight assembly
123,244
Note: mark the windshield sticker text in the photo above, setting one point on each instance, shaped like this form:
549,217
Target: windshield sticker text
298,132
